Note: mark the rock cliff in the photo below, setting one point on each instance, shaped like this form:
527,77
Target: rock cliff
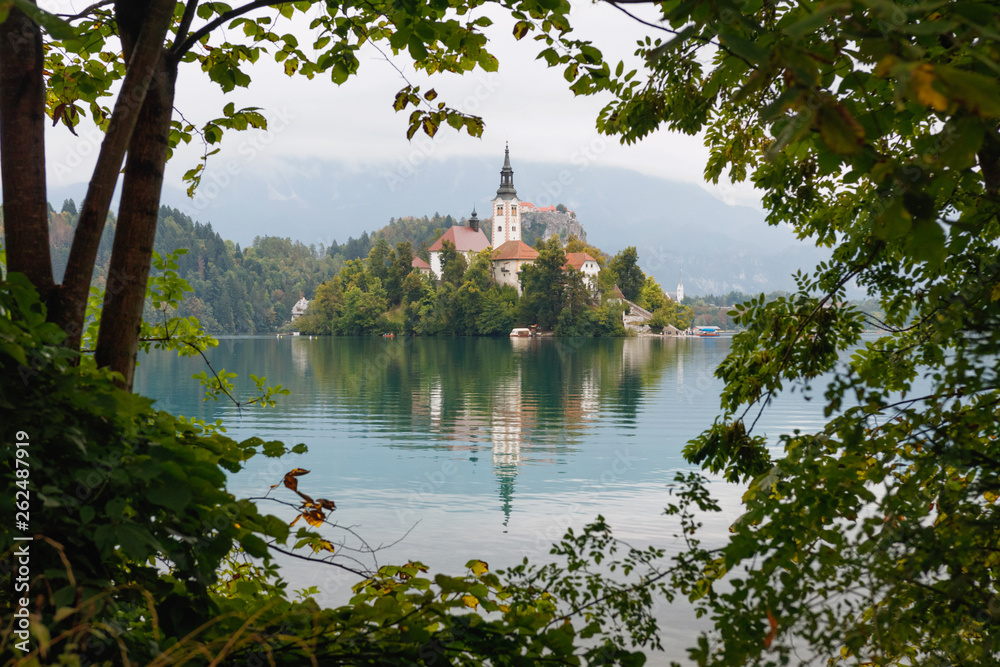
546,224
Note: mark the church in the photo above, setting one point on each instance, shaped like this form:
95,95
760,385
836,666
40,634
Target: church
510,253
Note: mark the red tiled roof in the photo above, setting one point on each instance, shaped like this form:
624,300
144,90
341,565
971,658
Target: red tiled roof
527,204
514,250
418,263
465,239
577,259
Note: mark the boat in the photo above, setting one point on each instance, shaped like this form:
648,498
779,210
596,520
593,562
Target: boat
708,332
520,332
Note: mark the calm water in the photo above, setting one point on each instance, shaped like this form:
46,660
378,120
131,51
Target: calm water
455,449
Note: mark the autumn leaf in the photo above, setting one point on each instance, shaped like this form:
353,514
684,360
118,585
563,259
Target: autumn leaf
290,481
315,518
773,623
922,80
470,601
478,567
323,545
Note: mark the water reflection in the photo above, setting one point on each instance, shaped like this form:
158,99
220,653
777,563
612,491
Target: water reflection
531,401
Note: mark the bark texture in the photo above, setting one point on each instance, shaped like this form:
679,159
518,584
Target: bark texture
131,254
22,158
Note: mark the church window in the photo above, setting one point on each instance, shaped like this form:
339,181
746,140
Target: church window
499,209
514,228
513,208
499,228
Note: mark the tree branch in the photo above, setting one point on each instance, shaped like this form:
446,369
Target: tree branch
180,49
185,24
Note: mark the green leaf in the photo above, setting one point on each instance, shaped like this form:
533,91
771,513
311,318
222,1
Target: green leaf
839,130
254,546
51,23
135,541
175,496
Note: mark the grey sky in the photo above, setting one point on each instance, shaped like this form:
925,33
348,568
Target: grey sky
524,103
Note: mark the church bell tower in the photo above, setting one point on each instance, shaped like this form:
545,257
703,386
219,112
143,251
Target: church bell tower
506,207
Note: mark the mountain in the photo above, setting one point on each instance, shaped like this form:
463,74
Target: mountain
674,226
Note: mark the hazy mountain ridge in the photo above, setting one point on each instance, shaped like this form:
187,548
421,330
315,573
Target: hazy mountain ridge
674,226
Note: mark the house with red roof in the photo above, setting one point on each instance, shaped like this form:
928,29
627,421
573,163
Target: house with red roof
586,264
508,260
468,240
420,265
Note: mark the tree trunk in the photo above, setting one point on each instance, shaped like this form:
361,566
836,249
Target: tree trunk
131,254
144,48
22,158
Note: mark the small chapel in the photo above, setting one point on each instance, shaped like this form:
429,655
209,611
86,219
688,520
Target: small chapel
510,253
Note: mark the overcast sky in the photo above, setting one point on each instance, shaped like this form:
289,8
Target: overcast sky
524,103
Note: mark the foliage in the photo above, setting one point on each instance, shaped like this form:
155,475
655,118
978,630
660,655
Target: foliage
575,244
871,128
497,316
651,296
542,298
628,275
130,513
671,313
453,264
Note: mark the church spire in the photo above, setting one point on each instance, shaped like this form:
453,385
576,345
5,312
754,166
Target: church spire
506,189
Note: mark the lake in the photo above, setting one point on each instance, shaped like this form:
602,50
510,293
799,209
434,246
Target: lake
452,449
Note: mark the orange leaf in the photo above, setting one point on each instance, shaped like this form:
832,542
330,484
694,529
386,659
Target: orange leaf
922,79
290,481
314,517
773,622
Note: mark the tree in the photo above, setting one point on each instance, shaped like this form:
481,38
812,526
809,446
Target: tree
542,282
651,296
625,266
453,264
469,297
402,266
575,244
378,259
674,314
872,129
496,318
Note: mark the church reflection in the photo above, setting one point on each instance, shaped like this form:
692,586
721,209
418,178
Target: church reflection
531,400
507,424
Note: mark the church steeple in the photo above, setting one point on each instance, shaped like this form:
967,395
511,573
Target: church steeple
506,189
506,207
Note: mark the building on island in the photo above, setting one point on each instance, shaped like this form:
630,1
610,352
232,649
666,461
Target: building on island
587,265
468,240
420,265
508,260
299,309
506,207
510,253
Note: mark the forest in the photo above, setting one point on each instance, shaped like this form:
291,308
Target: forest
367,285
